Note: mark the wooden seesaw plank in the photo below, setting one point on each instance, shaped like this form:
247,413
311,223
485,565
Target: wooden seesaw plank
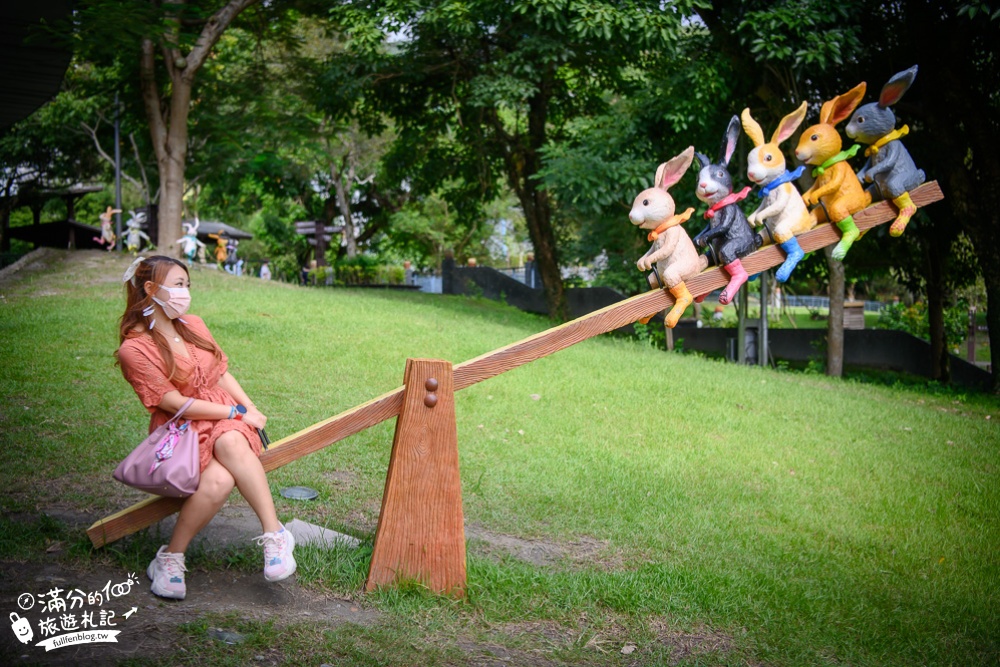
495,362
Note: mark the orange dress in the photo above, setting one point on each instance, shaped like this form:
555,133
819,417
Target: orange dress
143,367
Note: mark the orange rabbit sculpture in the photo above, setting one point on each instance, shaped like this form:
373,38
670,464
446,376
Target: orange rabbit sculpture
672,254
837,190
781,203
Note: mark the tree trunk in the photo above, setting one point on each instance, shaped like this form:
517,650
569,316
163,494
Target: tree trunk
171,160
523,163
344,204
968,167
835,324
168,118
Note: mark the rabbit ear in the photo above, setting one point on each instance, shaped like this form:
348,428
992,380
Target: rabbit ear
789,124
729,141
893,91
672,170
703,159
841,106
752,128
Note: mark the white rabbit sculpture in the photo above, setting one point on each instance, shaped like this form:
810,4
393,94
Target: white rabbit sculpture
672,254
782,204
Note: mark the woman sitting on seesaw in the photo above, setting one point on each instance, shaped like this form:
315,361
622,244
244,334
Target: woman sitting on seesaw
169,356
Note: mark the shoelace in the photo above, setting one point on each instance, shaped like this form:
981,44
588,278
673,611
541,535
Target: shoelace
274,544
173,564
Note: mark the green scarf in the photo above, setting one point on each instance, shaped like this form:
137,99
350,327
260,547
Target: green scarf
839,157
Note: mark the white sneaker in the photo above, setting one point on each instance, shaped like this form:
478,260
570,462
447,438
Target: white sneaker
167,574
279,563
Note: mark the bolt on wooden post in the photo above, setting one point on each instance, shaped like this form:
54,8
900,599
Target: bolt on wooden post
421,532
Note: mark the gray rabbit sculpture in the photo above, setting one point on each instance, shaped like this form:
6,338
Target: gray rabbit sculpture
728,230
890,169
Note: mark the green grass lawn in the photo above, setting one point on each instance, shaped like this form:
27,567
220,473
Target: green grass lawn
803,520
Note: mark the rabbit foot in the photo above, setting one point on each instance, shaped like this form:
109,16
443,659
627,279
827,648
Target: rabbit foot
850,235
738,277
794,254
906,210
683,300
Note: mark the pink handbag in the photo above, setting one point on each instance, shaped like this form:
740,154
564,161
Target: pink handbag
167,462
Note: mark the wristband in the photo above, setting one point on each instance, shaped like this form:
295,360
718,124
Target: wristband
232,412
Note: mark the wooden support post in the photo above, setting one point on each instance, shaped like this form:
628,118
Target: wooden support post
421,529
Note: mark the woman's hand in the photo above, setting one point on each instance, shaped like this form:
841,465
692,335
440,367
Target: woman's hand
254,417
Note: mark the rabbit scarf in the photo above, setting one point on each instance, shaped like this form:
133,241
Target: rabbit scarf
732,198
839,157
786,177
678,219
892,136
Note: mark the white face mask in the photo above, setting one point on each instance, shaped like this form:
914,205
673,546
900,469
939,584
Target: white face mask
178,302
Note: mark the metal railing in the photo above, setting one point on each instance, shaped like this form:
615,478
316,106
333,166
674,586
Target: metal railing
823,303
522,275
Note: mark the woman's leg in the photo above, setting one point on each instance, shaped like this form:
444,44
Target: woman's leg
167,569
233,451
213,490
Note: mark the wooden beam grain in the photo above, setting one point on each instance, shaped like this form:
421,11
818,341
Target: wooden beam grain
495,362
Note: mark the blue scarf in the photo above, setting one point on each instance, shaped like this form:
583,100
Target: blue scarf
780,180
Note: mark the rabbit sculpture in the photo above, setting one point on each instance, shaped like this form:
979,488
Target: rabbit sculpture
837,190
190,245
728,230
107,234
672,253
221,241
135,235
890,169
782,205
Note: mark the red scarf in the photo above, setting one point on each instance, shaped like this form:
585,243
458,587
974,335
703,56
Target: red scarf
732,198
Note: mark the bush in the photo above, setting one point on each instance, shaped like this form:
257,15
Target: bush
366,270
914,320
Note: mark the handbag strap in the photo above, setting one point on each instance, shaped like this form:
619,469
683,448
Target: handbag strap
181,411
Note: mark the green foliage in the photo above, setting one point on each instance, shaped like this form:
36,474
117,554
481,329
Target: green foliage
812,34
50,146
365,269
651,334
973,9
913,319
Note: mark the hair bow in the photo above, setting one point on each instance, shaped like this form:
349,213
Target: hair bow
130,271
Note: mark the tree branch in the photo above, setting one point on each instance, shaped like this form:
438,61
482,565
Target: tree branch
142,169
92,131
210,34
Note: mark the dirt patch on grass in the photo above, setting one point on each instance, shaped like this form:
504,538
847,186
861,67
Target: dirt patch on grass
684,645
610,636
341,479
535,551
